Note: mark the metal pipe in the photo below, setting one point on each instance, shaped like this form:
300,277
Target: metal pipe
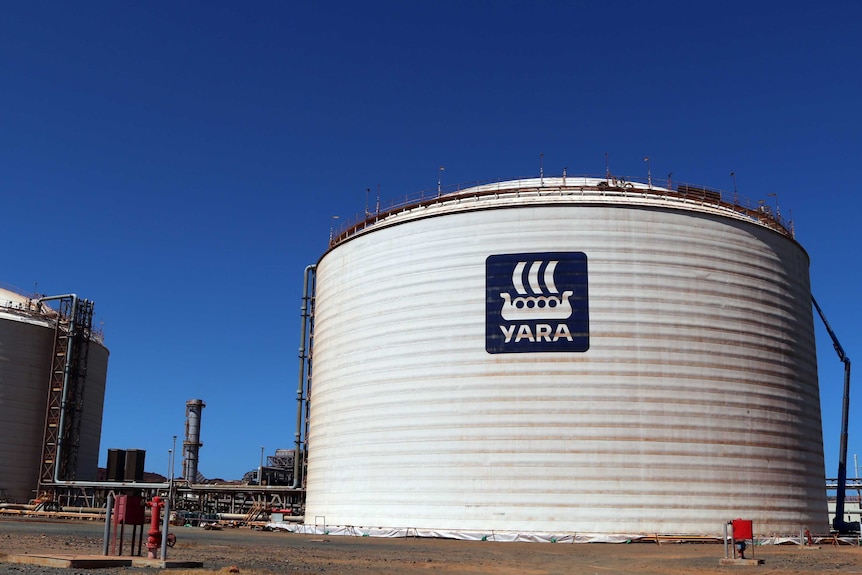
108,512
67,369
173,459
304,312
113,484
165,524
171,490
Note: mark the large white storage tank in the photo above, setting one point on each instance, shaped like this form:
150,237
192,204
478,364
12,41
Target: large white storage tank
26,355
566,355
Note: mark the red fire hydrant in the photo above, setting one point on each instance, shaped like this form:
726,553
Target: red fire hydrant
154,536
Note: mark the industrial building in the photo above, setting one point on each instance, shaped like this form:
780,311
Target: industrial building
53,368
564,355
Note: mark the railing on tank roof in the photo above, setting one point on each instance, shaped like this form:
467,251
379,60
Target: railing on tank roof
756,211
28,307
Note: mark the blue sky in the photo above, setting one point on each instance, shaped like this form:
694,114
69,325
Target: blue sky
179,163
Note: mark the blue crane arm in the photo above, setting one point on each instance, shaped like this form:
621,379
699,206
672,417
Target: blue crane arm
839,524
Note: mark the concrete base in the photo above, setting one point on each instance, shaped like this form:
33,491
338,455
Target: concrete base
98,561
730,561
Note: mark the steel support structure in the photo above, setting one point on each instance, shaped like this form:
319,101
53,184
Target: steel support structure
65,402
227,499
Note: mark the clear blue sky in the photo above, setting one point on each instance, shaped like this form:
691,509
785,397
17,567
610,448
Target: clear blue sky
179,163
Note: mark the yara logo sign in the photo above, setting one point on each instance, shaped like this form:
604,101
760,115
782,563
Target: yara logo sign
536,302
526,307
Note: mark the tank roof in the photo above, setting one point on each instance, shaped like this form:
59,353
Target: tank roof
567,190
13,302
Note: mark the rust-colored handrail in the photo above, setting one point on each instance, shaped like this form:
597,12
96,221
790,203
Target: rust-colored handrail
756,211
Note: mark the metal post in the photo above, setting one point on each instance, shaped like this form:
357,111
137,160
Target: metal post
648,172
726,555
777,207
108,513
440,181
858,491
735,193
332,228
542,169
165,525
173,467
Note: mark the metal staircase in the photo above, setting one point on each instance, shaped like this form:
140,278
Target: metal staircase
65,404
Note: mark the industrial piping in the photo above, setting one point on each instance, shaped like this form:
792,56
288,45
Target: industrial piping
308,277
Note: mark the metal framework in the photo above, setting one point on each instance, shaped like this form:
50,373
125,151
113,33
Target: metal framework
65,401
205,498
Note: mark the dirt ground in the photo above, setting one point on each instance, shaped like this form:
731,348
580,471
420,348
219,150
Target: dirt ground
254,552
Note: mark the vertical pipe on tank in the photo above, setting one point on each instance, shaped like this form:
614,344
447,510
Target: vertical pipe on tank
308,277
192,443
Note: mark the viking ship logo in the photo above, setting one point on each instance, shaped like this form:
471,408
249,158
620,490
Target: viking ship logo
537,306
536,302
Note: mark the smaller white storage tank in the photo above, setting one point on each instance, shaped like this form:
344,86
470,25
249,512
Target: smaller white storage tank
26,356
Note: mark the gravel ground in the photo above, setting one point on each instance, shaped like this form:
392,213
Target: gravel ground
254,552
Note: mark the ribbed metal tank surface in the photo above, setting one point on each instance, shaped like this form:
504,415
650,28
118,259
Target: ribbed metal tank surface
696,401
26,347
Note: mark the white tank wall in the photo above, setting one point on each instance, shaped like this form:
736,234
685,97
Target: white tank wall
24,371
26,347
696,403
